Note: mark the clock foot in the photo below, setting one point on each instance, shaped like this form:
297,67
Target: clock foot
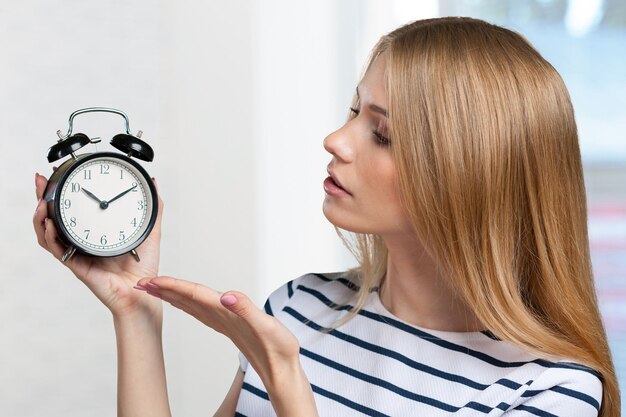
135,255
68,253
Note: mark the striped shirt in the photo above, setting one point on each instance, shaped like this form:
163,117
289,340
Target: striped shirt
379,365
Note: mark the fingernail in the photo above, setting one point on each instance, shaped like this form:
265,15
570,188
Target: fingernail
45,223
153,286
228,300
38,204
140,288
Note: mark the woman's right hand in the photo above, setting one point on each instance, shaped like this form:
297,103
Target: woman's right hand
110,279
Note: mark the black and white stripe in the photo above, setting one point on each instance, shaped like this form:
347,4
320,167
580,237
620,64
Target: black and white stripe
378,365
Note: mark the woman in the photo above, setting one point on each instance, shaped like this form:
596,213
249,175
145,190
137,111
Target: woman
459,173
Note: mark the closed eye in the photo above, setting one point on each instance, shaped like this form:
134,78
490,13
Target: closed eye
381,139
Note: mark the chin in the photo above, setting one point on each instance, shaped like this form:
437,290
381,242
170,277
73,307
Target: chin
344,220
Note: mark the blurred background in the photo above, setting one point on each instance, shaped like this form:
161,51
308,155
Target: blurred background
236,98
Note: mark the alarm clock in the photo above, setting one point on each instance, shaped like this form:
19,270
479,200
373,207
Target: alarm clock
103,203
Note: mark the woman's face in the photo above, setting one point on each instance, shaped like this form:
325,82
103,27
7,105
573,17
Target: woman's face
368,200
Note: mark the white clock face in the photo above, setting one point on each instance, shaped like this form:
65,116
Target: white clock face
105,205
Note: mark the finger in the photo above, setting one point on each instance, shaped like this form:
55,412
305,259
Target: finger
202,310
40,185
181,291
160,204
52,240
163,280
160,212
160,200
191,309
41,213
194,299
239,304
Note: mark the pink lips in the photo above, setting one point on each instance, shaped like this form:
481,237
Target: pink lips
334,189
332,186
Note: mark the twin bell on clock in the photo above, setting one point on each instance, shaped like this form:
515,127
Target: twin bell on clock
102,203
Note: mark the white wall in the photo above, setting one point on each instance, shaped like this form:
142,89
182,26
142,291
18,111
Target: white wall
299,98
57,348
236,98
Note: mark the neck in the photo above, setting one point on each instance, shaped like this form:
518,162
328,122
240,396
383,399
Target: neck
415,290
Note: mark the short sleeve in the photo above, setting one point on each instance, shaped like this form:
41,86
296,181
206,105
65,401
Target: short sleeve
280,297
561,391
243,363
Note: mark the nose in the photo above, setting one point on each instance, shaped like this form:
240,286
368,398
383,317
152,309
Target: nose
339,145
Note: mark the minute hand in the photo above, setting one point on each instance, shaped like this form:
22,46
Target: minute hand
121,194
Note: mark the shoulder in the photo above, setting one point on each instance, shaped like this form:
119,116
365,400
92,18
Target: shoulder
563,388
325,287
328,288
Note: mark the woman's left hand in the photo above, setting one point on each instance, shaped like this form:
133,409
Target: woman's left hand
271,349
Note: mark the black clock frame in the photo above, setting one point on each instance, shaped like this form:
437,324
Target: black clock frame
55,185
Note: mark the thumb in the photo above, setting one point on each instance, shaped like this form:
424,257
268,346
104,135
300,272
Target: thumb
40,185
238,303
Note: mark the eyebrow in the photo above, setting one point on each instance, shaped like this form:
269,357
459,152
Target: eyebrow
373,107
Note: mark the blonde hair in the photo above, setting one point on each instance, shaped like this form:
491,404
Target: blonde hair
486,151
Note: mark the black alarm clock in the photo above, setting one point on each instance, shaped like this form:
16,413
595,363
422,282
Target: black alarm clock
103,203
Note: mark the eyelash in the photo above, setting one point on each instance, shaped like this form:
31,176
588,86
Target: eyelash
382,140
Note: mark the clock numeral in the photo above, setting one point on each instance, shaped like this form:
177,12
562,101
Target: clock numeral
104,169
103,239
86,232
87,174
134,222
73,221
140,205
75,187
122,235
134,185
121,174
67,203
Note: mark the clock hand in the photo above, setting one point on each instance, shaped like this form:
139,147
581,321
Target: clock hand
103,204
121,194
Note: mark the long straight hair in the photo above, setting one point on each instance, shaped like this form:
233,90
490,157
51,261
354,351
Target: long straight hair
486,151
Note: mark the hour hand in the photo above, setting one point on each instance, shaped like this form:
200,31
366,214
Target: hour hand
103,204
90,194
